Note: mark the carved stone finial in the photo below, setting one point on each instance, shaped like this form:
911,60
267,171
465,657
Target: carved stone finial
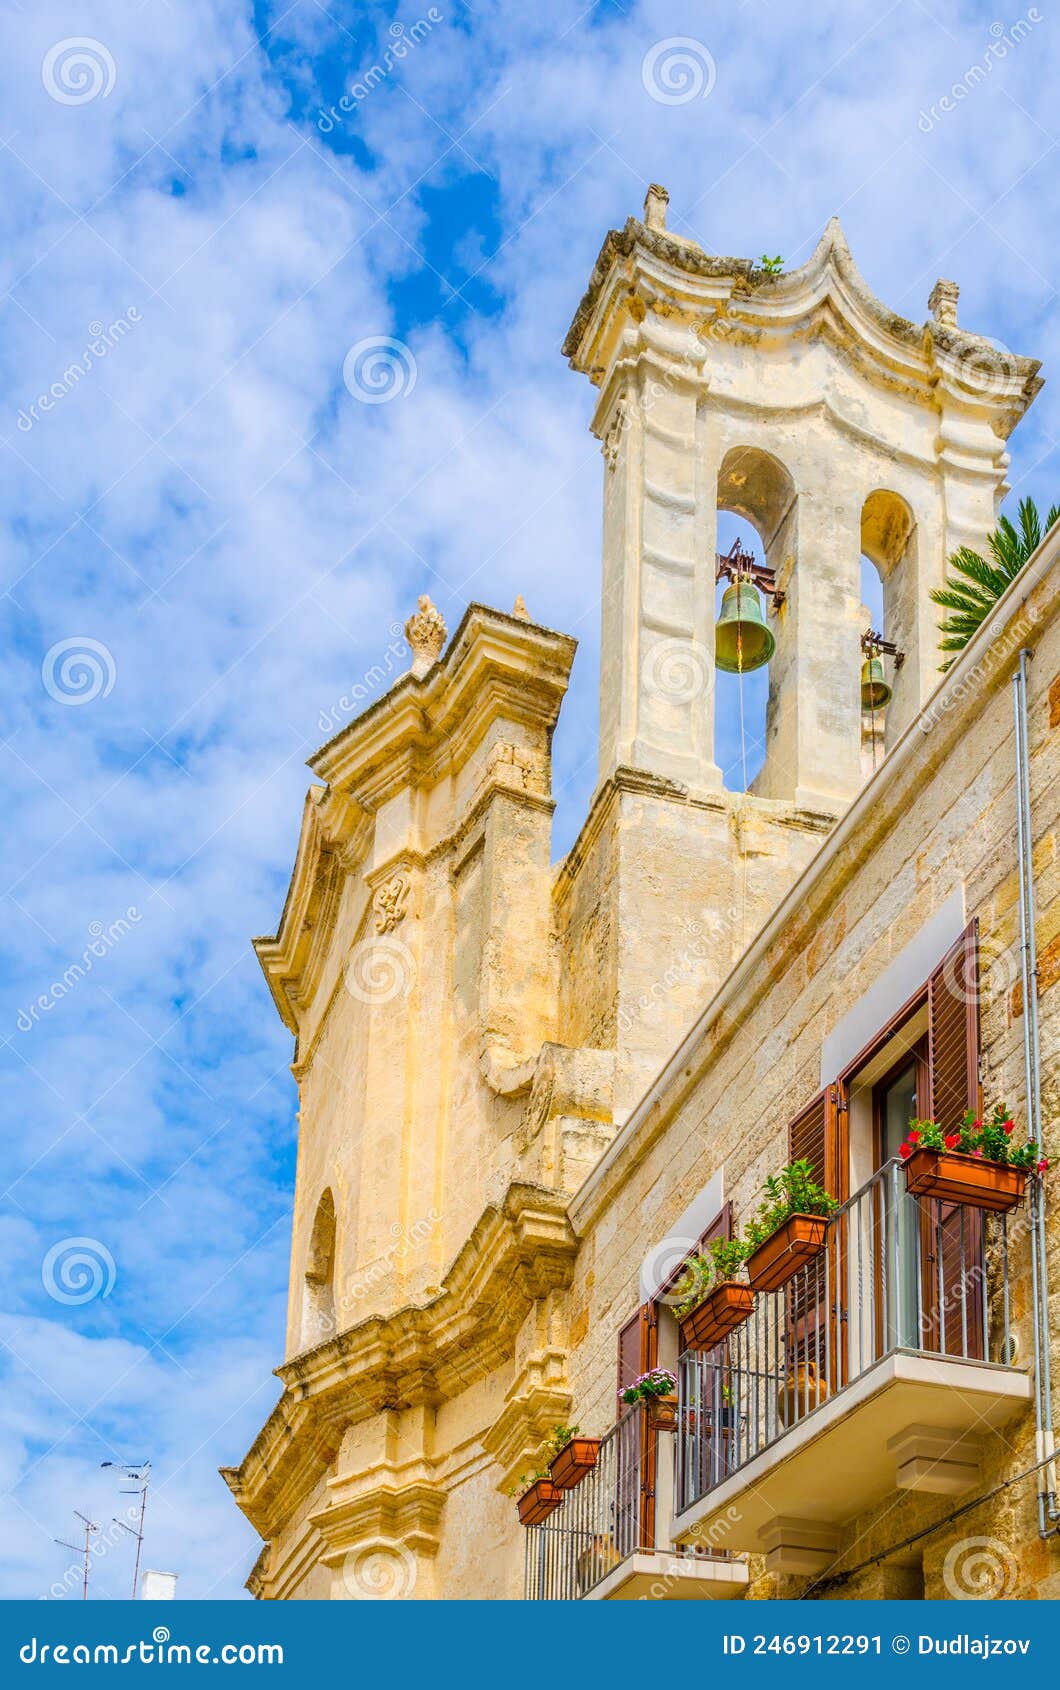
942,303
519,608
425,632
655,202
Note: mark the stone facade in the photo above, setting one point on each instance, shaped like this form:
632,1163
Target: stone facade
515,1077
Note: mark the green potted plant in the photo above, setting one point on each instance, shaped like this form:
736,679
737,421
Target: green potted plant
573,1456
789,1229
723,1418
976,1163
713,1300
537,1496
657,1390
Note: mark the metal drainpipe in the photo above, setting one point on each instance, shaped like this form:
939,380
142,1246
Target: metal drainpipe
1048,1513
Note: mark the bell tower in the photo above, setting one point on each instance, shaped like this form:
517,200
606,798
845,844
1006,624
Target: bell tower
835,427
839,431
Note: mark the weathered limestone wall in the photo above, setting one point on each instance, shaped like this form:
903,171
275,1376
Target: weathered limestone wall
940,821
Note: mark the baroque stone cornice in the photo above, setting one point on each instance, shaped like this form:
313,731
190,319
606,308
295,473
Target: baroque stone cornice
519,1251
650,279
497,667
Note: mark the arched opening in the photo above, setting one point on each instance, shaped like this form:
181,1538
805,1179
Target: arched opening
888,546
756,507
318,1304
873,720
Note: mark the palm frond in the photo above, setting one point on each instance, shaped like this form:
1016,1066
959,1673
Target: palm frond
978,584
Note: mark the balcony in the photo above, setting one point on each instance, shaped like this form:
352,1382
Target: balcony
609,1538
878,1368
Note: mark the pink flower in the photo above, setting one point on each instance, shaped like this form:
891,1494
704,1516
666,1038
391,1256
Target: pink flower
1042,1165
977,1152
977,1126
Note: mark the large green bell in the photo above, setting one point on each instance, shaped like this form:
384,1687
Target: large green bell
742,639
875,693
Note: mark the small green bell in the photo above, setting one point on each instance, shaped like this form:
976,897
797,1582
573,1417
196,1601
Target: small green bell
875,693
742,639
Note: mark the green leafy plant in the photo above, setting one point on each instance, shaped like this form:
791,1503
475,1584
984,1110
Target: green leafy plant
771,266
657,1382
978,584
723,1260
990,1140
525,1480
559,1438
792,1191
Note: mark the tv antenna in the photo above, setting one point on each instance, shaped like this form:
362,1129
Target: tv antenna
135,1477
82,1549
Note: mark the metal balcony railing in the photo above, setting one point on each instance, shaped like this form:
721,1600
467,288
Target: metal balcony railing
896,1273
602,1520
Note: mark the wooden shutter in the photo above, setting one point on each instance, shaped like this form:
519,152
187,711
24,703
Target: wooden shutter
952,1242
818,1134
953,1032
638,1350
720,1226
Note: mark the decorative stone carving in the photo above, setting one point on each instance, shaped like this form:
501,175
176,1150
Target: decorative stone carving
942,303
614,435
391,903
426,633
519,608
655,202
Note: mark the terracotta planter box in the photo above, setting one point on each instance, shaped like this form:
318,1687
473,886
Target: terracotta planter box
662,1413
957,1178
537,1503
721,1312
790,1247
572,1463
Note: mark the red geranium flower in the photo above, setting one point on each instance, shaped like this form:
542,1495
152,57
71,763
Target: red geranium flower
952,1140
1009,1126
905,1150
913,1135
1042,1165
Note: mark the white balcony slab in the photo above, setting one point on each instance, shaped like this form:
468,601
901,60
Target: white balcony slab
660,1577
844,1457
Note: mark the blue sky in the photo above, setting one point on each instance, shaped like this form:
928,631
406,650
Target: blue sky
236,531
